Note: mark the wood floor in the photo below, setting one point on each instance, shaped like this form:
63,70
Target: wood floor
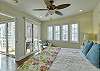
8,63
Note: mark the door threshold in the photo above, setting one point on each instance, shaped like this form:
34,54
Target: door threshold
3,53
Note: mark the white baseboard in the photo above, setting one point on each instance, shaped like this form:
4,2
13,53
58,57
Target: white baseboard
22,57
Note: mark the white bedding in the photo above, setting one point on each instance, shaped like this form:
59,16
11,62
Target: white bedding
70,59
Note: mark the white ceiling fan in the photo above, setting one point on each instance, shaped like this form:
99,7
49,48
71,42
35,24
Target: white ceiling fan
51,8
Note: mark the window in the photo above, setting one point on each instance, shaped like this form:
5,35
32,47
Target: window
64,35
28,32
28,27
74,33
11,38
56,32
35,30
50,33
36,35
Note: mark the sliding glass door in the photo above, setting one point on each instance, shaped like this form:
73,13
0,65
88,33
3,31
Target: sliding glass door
32,35
3,38
11,38
28,35
7,38
35,37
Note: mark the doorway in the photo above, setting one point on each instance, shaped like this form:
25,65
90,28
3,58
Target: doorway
7,34
7,38
3,43
11,38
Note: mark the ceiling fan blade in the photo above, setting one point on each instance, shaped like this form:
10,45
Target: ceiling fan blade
40,9
58,13
62,6
47,2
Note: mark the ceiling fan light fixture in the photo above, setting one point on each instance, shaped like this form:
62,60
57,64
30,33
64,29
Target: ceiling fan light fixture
81,10
16,1
40,16
51,12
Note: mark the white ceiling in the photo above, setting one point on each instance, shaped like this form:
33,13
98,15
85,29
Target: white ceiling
76,6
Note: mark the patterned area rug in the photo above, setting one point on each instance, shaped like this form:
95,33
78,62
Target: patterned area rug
40,62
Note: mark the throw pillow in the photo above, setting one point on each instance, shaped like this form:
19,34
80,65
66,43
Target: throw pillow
94,55
87,47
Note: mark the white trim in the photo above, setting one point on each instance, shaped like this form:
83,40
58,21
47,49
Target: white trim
8,20
32,21
6,15
22,57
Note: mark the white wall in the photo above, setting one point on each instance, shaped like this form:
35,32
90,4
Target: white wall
96,21
84,20
19,26
19,38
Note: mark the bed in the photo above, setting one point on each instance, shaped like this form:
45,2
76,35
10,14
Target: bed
70,59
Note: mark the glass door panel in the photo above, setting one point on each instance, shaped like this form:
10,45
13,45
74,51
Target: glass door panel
3,38
35,37
28,28
11,38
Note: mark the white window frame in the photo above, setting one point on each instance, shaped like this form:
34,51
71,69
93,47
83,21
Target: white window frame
74,33
28,35
50,32
65,32
35,31
57,34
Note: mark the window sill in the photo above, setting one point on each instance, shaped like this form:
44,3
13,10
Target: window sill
75,42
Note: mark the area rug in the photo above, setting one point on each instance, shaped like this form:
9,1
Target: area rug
41,61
